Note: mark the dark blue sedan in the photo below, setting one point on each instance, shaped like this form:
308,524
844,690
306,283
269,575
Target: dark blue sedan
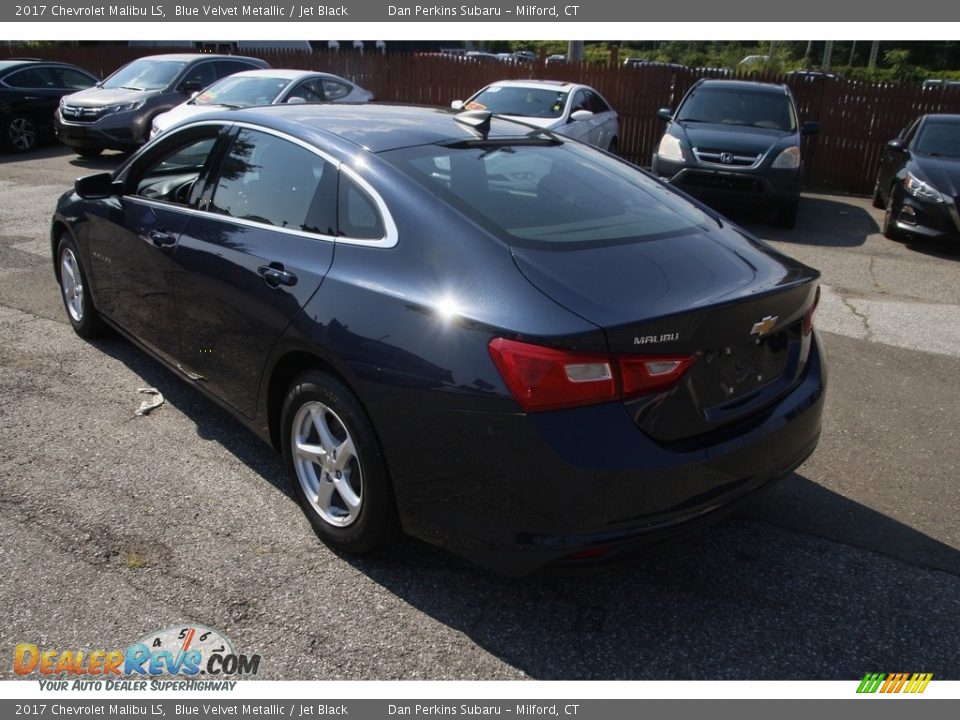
496,339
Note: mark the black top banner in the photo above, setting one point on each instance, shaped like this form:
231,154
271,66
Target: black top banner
570,11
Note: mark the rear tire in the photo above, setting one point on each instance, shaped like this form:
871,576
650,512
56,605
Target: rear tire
75,291
20,134
335,465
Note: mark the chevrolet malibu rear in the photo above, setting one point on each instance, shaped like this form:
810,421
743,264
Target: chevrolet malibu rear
503,342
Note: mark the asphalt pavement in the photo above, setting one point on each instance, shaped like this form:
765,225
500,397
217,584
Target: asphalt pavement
113,525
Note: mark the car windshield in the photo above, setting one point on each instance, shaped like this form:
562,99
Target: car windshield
525,101
242,91
727,106
550,195
145,74
939,137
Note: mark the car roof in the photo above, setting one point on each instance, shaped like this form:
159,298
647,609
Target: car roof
949,117
374,126
535,84
27,62
281,73
744,85
189,57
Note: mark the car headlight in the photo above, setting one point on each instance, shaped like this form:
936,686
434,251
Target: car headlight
921,189
788,159
124,107
670,148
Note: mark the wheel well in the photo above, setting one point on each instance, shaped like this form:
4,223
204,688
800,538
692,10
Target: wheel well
284,372
56,232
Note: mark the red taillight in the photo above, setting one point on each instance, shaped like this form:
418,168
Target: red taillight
642,375
542,378
808,317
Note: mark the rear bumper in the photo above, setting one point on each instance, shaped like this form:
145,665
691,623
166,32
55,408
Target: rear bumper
519,492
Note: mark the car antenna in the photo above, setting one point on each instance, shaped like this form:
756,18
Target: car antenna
479,120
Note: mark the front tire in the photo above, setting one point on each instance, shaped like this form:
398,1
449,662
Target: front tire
878,197
336,469
787,214
89,152
890,229
21,134
75,291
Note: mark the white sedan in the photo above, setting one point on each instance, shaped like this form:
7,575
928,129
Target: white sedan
576,111
263,87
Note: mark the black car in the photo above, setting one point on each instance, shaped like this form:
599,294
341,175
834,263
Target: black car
736,142
118,112
508,343
918,183
30,91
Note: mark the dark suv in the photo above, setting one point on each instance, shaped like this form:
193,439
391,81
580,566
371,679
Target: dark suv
736,142
117,113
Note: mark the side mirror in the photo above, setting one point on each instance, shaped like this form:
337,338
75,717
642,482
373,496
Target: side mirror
95,187
457,105
810,128
665,114
896,145
578,115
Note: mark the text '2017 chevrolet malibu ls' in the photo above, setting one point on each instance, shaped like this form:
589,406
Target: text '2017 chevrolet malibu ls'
497,339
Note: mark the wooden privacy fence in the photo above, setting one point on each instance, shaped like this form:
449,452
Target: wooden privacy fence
857,117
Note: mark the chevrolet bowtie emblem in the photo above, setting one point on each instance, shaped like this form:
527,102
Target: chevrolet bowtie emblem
764,326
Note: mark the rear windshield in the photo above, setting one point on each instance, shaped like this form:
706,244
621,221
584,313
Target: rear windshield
527,102
939,137
728,106
560,196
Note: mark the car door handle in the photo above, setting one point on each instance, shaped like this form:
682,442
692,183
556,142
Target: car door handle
274,275
162,239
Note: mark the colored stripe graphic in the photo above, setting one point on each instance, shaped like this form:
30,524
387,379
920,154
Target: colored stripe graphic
894,682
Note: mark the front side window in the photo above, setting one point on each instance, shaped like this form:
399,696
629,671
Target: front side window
201,75
273,181
333,90
173,176
552,196
73,79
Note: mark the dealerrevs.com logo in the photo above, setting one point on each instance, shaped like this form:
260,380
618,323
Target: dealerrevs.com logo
199,657
886,683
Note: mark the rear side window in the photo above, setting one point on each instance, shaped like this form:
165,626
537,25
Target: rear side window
358,214
273,181
35,77
550,195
